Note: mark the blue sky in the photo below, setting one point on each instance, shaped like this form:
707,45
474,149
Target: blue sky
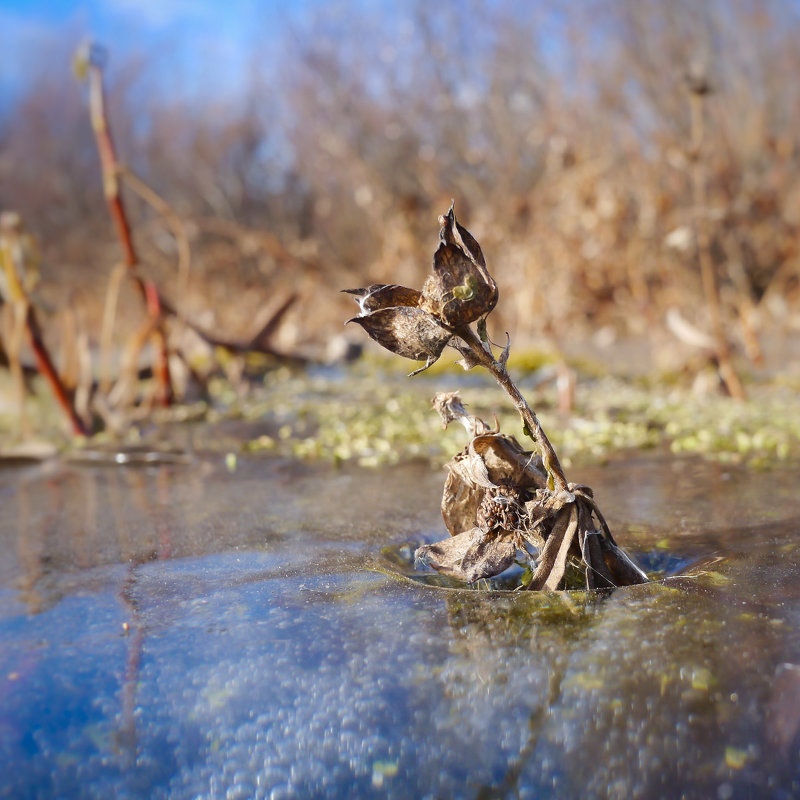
38,35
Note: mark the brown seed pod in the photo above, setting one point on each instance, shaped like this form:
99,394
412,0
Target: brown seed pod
501,509
461,289
381,295
407,331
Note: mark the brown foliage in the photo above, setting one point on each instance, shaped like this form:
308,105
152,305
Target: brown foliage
570,130
497,508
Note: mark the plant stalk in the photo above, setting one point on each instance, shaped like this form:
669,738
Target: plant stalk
110,168
703,237
47,369
483,357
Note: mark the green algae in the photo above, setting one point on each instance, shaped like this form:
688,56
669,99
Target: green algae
372,415
375,418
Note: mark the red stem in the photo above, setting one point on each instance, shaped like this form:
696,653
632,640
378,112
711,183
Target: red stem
110,170
48,371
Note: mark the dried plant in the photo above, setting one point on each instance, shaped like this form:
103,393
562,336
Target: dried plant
18,275
89,62
499,500
699,86
499,503
337,156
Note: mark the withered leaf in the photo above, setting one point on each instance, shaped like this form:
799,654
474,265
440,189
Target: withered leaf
598,575
488,558
446,556
469,556
470,469
506,461
474,468
460,503
622,567
553,558
407,331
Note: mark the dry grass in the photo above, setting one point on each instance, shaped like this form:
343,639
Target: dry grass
569,132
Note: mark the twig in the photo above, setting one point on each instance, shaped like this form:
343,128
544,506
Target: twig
170,216
24,316
48,371
107,325
109,165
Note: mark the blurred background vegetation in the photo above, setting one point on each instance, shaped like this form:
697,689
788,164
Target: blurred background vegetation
564,132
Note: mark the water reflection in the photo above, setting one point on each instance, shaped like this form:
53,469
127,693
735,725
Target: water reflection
176,630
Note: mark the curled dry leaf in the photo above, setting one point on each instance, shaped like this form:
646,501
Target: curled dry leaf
489,461
598,575
449,407
552,559
497,508
507,462
470,556
460,503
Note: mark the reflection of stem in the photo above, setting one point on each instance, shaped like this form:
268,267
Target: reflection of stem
127,731
116,500
29,551
710,288
160,519
537,721
500,374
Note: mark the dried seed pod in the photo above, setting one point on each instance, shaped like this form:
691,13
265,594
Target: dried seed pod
391,315
461,289
501,509
452,232
407,331
381,295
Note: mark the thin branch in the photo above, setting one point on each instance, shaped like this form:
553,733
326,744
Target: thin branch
169,215
483,357
48,371
110,169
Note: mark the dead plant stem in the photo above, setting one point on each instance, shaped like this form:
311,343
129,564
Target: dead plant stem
549,456
111,187
45,366
710,288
